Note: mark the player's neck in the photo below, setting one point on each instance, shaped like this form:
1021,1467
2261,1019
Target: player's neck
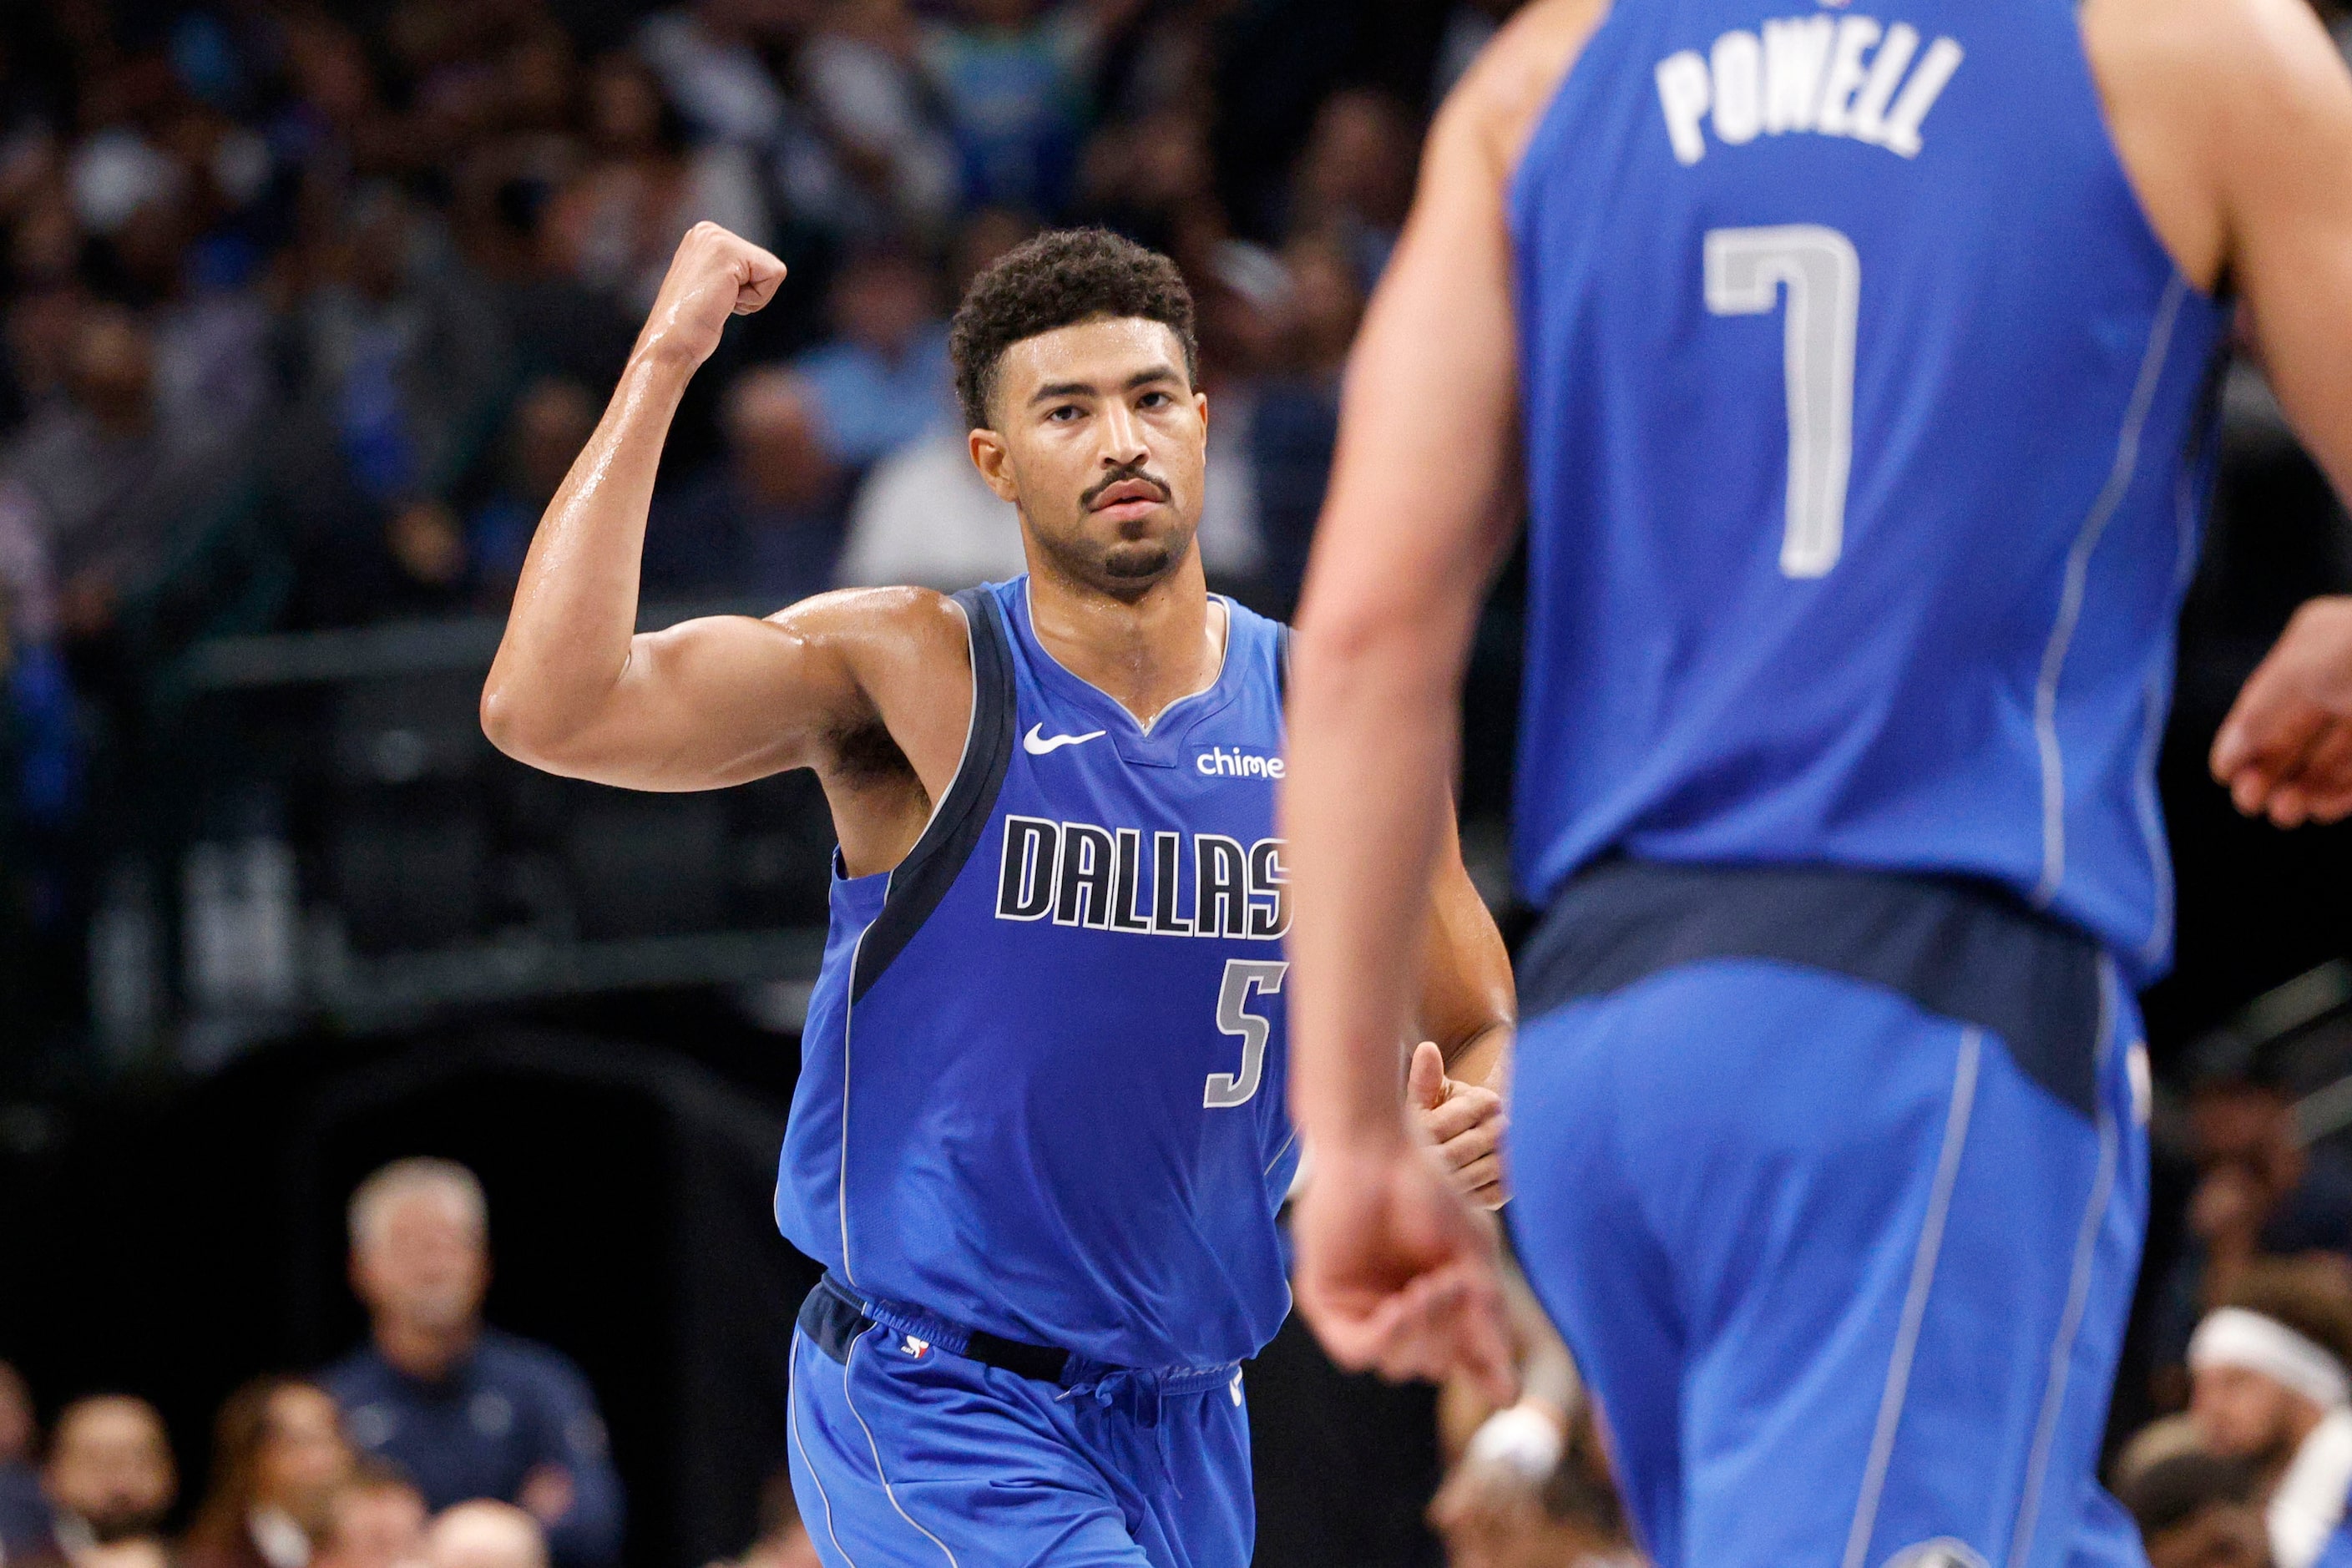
1145,653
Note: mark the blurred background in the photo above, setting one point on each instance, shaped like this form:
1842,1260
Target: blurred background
305,307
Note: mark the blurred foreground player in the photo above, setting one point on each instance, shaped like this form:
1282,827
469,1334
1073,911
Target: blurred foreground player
1856,365
1039,1136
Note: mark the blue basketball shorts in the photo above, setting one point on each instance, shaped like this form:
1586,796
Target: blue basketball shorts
906,1453
1836,1185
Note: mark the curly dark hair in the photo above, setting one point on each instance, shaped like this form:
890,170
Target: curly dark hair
1058,279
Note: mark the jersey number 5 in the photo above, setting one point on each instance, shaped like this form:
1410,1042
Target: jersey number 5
1243,976
1746,271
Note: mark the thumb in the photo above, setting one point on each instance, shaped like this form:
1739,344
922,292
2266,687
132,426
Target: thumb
1424,1081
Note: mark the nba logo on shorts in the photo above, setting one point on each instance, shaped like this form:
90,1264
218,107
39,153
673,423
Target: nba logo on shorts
1941,1553
916,1348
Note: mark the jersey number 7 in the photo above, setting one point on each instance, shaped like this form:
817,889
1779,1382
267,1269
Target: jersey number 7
1746,271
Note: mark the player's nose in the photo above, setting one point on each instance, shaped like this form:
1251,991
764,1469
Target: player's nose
1125,441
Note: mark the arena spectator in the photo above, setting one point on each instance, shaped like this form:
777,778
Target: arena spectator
927,518
783,1540
113,480
620,220
1354,179
25,1533
552,421
374,1518
1295,424
767,521
466,1411
2269,1385
1528,1484
484,1535
883,380
1013,76
858,71
1492,1517
711,59
2260,1192
397,359
111,1483
278,1455
2195,1511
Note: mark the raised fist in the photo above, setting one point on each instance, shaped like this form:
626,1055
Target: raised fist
714,275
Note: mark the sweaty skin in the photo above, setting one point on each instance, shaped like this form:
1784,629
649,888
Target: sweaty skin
1100,441
2234,121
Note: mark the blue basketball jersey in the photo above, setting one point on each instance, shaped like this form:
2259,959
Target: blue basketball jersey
1866,439
1042,1088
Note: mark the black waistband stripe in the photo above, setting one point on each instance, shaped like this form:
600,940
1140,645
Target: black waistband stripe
1968,950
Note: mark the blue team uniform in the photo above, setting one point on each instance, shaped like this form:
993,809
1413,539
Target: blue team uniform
1040,1136
1867,423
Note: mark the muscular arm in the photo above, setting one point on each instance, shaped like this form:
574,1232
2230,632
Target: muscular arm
1468,1003
1393,1272
577,690
1422,506
1467,1007
2234,121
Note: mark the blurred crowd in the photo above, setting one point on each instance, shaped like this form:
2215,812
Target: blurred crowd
440,1443
305,307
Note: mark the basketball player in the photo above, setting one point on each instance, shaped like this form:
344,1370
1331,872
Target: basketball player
1040,1135
1856,358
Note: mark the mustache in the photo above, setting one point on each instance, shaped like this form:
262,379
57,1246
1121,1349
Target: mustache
1137,473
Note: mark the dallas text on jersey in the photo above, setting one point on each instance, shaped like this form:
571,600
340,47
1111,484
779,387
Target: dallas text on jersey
1082,874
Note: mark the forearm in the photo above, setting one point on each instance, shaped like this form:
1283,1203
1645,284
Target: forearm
1372,738
568,637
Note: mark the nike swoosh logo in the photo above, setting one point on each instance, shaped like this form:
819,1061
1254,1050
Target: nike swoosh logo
1039,745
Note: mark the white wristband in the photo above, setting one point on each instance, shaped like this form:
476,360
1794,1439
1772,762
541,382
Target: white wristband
1523,1439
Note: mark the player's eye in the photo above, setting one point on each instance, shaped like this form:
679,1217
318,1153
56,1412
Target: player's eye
1156,400
1064,414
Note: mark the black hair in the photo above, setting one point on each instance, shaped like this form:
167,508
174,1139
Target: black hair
2174,1490
1059,279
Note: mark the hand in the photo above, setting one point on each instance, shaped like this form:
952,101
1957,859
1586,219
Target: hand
714,275
2286,750
547,1493
1486,1509
1463,1120
1397,1273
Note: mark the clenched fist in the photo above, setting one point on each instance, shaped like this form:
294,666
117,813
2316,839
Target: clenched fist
714,275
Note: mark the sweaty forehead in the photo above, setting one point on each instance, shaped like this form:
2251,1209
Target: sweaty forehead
1106,353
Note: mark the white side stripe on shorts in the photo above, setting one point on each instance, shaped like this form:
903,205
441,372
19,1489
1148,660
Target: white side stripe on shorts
1915,1300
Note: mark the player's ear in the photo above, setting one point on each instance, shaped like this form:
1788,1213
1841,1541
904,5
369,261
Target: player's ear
991,458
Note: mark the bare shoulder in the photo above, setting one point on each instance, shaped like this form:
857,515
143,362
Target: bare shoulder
908,653
1494,110
2211,102
894,621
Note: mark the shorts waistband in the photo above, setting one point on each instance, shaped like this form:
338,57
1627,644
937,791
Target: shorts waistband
836,1314
1964,949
